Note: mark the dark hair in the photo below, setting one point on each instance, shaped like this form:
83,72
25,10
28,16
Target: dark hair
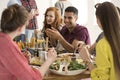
72,9
13,17
110,20
118,9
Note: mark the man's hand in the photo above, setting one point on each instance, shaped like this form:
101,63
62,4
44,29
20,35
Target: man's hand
36,12
53,33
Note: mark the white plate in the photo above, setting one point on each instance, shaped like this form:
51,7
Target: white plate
69,73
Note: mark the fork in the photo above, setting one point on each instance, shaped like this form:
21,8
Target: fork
76,49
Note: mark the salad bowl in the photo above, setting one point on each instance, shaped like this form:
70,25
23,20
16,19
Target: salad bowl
65,65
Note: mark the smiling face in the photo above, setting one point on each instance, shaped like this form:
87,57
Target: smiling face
50,17
70,19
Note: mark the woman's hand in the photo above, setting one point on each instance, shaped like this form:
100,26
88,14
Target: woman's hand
84,53
51,57
27,55
52,54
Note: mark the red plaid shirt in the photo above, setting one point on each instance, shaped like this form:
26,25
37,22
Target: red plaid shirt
30,4
13,64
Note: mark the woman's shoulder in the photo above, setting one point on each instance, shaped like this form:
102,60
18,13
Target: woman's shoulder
103,43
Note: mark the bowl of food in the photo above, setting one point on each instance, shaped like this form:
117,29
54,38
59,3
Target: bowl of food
65,65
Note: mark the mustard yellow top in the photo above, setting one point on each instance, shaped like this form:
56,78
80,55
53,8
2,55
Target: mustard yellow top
104,62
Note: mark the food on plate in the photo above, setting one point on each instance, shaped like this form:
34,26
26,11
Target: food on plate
76,64
35,61
79,60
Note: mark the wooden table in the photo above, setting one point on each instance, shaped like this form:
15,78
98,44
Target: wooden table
52,76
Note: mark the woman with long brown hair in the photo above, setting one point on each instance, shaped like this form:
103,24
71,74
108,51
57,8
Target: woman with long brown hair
52,19
107,49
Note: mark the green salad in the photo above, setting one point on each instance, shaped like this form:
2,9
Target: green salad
74,65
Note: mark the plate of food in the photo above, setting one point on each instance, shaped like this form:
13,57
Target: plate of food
35,61
68,64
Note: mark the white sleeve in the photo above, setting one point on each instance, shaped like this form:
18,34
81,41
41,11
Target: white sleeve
11,2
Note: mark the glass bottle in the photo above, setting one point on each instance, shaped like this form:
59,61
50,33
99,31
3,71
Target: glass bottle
33,41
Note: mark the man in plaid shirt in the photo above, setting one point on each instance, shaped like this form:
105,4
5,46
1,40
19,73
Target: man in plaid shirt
31,7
